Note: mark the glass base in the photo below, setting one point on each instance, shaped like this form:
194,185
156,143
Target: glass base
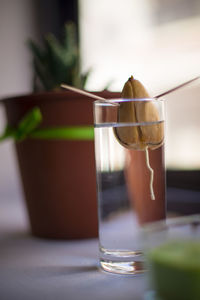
122,262
128,267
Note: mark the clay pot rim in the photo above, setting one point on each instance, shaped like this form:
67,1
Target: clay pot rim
57,95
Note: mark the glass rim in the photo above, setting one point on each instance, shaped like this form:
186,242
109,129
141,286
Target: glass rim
115,101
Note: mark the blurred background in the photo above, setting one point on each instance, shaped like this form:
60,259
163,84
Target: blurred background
157,41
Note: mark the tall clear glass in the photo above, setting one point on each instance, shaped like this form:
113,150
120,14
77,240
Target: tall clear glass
129,151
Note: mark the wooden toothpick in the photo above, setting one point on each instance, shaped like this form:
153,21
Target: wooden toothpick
177,87
68,87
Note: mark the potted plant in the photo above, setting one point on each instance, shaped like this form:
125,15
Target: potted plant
53,132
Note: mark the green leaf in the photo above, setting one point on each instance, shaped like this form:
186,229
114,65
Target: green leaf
58,62
43,75
8,133
84,78
37,52
29,123
70,38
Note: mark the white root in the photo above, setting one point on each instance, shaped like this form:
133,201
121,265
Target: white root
151,174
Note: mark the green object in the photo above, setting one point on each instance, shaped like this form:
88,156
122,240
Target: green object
28,128
175,270
58,61
66,133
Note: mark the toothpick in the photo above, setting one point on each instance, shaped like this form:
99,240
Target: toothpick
68,87
177,87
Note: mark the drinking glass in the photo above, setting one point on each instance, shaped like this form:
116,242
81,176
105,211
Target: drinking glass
130,172
172,251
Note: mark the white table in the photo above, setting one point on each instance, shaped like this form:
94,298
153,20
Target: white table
32,268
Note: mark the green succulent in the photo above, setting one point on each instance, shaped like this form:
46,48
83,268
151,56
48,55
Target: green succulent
58,61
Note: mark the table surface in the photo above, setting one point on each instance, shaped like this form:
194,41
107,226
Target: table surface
33,268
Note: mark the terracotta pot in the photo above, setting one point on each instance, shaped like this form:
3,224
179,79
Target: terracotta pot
58,176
